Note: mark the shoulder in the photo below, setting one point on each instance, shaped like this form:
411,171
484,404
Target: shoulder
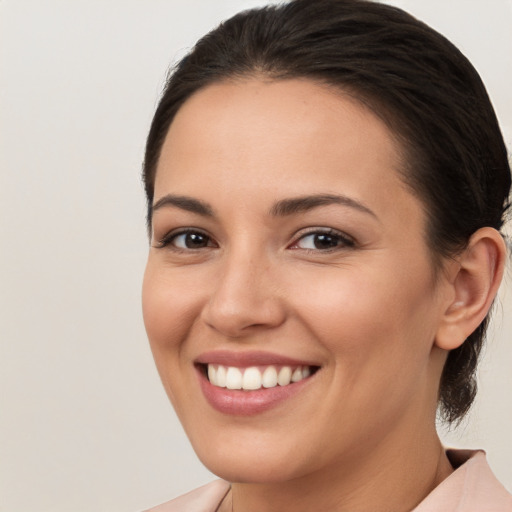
203,499
472,487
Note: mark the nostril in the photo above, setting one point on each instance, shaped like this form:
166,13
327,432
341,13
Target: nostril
241,302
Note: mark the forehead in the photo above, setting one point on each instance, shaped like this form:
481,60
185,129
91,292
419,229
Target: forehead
278,110
290,137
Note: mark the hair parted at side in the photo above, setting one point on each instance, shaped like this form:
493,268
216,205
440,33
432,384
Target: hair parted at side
413,78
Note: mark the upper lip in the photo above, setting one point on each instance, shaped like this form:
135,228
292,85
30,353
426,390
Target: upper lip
246,359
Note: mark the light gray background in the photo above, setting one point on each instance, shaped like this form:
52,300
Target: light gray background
84,423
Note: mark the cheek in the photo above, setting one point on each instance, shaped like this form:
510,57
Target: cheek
376,331
168,312
384,315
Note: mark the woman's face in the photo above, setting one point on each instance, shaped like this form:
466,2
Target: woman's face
285,244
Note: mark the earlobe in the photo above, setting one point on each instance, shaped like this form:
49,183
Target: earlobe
474,285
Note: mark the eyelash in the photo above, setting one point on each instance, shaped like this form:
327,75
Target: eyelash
342,240
168,239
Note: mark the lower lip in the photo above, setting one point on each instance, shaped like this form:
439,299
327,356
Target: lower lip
248,403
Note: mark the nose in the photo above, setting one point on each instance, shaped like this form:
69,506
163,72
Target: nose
246,298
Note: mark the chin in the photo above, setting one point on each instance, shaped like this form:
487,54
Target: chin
247,472
257,465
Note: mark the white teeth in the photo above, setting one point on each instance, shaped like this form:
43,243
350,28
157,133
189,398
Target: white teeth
233,378
285,376
296,375
253,378
221,376
269,378
212,373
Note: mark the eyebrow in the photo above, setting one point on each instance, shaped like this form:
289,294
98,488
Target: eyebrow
304,203
282,208
185,203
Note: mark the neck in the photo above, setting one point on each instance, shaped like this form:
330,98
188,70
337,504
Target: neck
388,478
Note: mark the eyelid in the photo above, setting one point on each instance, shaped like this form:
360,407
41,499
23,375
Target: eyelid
167,239
347,240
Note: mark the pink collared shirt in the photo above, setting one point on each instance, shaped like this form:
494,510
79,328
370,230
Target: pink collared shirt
472,487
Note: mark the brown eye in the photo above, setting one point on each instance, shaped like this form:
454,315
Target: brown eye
323,241
191,240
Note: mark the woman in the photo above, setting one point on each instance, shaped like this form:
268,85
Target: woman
326,182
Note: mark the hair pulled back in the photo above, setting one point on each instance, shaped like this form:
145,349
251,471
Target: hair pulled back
430,96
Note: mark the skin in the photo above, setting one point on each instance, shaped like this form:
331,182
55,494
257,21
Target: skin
368,311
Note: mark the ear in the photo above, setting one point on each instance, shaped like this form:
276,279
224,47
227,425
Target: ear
474,282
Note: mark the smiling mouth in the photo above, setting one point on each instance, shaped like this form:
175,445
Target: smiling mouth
254,378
